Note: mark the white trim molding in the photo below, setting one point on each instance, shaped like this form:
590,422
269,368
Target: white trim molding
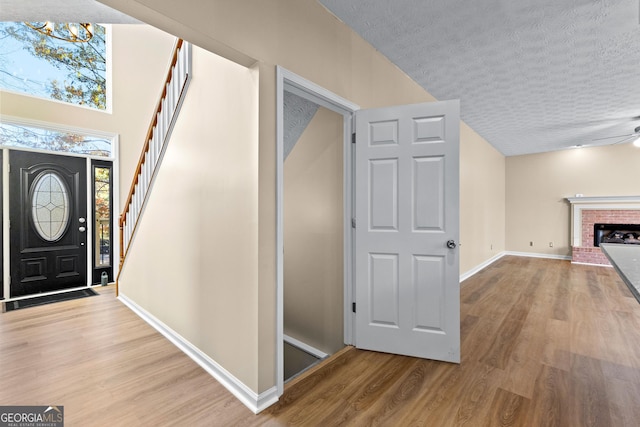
252,400
487,263
464,276
537,255
293,83
305,347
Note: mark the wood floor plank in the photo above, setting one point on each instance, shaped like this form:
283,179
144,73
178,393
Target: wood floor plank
556,350
624,397
507,409
549,408
543,343
589,405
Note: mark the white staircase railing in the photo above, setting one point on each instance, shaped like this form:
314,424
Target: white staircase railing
159,132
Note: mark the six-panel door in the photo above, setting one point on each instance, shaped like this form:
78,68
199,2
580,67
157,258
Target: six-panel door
407,275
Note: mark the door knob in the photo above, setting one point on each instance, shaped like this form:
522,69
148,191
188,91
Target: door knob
82,229
451,244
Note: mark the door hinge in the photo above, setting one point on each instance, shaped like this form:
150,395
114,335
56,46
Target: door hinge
353,307
353,138
353,223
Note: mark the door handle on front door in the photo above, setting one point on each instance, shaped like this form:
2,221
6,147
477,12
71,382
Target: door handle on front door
451,244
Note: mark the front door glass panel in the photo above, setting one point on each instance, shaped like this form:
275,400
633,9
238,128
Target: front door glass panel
50,206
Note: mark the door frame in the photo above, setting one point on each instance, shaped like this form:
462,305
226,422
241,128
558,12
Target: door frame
293,83
4,182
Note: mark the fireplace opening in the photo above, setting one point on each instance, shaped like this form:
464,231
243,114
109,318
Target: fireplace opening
628,234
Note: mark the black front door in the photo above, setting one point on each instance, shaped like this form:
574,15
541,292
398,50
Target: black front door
48,227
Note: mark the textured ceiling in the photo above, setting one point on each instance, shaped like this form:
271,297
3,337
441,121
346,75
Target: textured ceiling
531,76
298,113
61,11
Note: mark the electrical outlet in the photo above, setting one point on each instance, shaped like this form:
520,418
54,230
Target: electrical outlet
530,243
550,244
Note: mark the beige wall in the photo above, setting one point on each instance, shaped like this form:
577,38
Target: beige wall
482,200
538,184
303,37
140,62
193,262
313,235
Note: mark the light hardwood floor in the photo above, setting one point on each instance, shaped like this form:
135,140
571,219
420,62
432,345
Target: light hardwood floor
544,343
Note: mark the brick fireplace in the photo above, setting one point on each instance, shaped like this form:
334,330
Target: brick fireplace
587,211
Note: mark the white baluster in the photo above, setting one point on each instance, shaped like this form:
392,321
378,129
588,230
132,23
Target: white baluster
182,62
165,108
136,201
178,74
177,85
164,123
154,155
174,97
170,94
147,175
144,178
147,172
154,144
159,126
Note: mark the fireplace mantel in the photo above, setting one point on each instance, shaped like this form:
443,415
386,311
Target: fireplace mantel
578,204
603,199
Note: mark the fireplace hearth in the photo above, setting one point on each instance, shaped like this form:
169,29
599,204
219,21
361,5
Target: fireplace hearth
628,234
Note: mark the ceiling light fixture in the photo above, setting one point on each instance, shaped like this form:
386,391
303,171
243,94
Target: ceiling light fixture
68,32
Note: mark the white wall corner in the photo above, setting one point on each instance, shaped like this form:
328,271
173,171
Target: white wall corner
252,400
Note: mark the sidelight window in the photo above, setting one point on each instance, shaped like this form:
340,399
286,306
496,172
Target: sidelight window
102,194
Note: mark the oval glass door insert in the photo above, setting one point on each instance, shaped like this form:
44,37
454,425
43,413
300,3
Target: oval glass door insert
50,208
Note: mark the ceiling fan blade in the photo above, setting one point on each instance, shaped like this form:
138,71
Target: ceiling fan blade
617,136
629,138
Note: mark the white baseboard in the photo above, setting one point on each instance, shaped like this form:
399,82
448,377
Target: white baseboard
252,400
306,347
477,268
493,259
535,255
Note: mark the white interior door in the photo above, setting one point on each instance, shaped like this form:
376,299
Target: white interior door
407,227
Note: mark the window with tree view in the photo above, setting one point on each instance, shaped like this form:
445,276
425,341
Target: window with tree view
39,65
102,194
40,138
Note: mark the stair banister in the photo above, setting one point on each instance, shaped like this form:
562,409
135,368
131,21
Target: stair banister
159,131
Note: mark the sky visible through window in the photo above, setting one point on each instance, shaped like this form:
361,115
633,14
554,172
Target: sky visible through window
42,66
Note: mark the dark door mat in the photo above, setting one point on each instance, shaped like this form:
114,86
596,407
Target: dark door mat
48,299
